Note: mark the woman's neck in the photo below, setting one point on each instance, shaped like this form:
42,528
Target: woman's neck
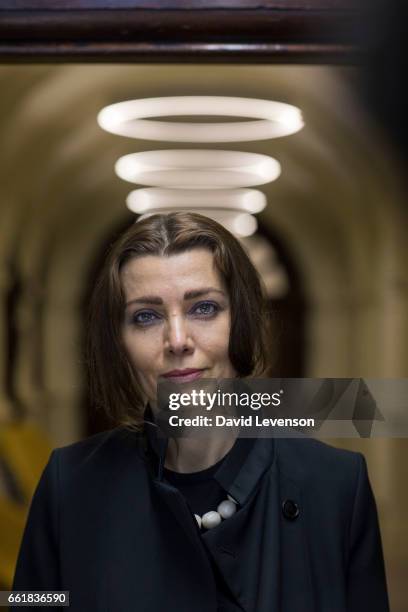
195,454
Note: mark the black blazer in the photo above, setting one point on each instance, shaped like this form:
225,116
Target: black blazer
105,526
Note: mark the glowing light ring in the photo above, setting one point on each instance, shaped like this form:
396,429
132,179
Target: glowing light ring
272,119
197,169
154,198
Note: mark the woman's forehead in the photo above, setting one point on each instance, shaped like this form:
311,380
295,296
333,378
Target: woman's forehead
185,271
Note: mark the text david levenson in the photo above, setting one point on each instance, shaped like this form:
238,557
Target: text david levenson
248,421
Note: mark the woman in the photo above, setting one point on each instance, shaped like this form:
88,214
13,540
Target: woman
112,519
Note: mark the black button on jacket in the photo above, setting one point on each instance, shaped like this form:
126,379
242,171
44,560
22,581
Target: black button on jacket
105,526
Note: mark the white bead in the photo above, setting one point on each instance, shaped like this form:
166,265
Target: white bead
198,519
227,508
232,499
210,519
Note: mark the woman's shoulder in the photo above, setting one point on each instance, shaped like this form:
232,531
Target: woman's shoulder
108,446
314,450
316,462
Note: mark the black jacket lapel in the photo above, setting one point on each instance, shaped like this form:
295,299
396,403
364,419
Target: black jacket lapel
246,549
246,546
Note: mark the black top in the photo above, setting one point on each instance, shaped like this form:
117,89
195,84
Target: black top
200,490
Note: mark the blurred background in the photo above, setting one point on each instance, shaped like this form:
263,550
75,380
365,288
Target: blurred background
331,247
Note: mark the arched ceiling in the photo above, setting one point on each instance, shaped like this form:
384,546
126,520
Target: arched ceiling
57,165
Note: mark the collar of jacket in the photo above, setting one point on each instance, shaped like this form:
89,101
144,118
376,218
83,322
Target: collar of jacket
238,475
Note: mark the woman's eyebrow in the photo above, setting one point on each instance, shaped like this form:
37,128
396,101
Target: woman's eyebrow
189,295
146,299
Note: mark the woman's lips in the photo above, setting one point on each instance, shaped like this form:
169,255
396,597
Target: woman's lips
183,376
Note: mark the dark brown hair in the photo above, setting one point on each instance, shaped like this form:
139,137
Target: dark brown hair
113,384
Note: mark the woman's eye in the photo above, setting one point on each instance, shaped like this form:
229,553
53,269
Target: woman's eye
206,308
144,318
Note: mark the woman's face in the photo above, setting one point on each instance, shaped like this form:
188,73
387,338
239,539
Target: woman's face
177,319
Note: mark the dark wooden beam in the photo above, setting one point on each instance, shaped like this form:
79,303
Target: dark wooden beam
275,31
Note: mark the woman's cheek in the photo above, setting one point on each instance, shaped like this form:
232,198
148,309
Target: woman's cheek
216,346
142,346
217,339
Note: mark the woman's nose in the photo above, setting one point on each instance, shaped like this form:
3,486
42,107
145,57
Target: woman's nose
177,335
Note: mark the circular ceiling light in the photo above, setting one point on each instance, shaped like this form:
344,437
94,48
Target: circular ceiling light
270,119
197,169
154,198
